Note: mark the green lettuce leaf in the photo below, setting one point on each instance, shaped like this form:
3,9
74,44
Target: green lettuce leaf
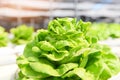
65,51
22,34
3,37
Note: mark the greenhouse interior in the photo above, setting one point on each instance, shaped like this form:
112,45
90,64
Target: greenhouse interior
59,39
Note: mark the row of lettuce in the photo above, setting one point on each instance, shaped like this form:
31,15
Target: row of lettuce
23,33
19,35
104,31
65,51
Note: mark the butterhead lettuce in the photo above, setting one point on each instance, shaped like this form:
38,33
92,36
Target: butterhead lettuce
65,52
22,34
3,37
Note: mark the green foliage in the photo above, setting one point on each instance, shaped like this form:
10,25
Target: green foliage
3,37
22,34
104,30
65,52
